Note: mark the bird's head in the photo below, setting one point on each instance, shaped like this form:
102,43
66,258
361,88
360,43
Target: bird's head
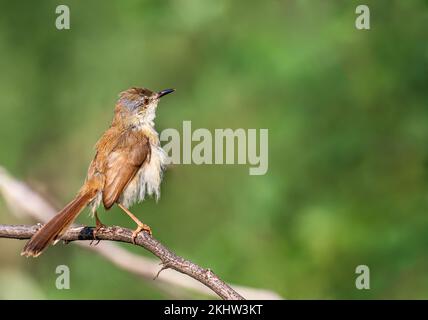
139,104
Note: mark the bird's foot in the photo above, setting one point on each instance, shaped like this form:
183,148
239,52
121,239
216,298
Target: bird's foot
98,227
141,227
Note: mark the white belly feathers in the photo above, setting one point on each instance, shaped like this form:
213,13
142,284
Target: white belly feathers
147,180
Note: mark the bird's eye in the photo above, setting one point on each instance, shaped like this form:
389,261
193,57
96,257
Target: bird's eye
144,100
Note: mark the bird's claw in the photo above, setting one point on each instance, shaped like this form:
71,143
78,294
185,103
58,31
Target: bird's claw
142,227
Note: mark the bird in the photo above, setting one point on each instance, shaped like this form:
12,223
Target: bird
128,166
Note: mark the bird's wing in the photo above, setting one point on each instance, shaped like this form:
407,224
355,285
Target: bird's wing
122,163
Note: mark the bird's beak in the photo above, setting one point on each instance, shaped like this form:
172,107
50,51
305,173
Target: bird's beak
165,92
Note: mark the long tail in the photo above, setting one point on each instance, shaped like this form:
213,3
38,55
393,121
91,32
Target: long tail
56,226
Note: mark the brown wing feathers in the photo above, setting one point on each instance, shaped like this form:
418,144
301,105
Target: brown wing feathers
122,164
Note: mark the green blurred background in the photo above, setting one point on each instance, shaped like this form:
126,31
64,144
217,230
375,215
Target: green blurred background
347,116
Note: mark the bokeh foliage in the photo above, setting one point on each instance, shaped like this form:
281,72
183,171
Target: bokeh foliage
348,132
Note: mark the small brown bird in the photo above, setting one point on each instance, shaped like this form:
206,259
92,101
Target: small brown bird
127,166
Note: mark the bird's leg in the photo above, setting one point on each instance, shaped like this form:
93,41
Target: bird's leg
141,226
98,225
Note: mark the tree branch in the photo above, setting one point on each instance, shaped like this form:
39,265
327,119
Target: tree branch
24,202
168,258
